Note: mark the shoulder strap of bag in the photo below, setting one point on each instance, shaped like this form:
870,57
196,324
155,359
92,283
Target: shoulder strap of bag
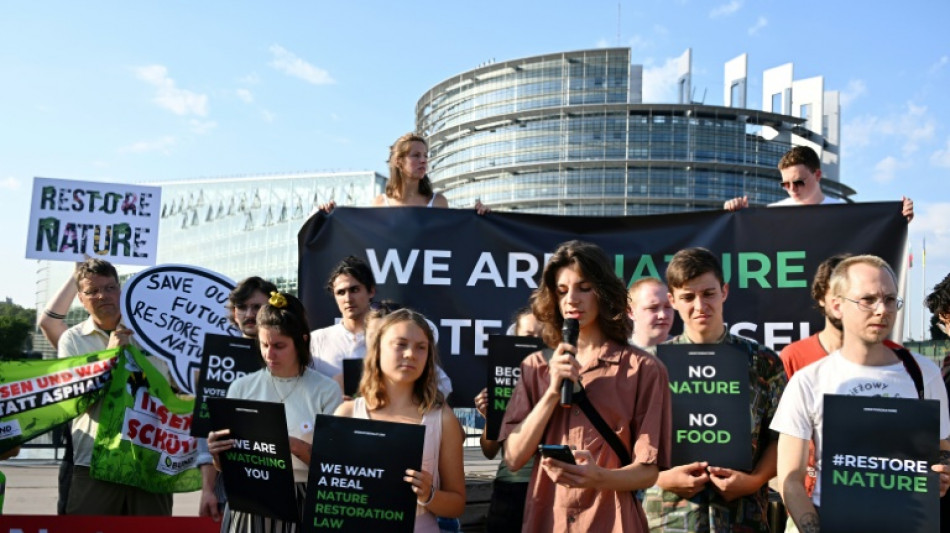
581,400
910,364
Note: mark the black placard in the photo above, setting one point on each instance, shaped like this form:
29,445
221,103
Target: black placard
710,392
876,456
223,360
352,372
258,471
356,475
505,354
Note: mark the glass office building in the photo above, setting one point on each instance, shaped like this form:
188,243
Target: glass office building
567,134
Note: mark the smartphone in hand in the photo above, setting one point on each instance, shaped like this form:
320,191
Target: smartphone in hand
561,452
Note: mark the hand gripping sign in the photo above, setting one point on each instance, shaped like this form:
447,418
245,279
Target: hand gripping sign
171,308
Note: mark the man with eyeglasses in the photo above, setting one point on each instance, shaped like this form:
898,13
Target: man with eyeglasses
865,300
801,176
98,285
244,302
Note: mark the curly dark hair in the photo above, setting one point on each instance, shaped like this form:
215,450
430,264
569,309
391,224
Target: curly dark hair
822,282
594,265
939,300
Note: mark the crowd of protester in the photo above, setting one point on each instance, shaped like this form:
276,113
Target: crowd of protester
621,481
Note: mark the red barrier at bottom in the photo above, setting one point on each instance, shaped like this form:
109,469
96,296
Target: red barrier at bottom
12,523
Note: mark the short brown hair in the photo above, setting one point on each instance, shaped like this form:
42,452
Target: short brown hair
690,264
592,262
649,280
800,155
94,267
840,282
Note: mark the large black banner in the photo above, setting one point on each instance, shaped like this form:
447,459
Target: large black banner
468,273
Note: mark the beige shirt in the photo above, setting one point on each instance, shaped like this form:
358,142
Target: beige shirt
81,339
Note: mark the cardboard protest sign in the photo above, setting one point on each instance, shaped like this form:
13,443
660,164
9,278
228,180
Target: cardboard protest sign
143,439
710,392
352,486
171,308
352,373
114,221
876,455
505,354
258,471
38,395
224,360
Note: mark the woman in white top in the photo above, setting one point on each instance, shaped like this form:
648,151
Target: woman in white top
399,384
283,333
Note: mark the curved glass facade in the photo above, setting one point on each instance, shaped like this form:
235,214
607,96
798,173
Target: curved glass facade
555,134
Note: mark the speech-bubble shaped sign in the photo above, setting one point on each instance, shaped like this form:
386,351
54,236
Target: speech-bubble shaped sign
171,308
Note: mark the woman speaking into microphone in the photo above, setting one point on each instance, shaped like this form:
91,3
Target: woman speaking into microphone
617,426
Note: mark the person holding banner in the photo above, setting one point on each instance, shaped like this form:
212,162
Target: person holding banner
284,338
244,304
699,496
624,388
865,301
801,174
651,313
400,384
97,283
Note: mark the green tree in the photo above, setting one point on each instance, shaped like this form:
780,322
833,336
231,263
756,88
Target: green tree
16,329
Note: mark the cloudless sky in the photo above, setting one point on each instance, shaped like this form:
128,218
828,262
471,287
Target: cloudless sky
136,92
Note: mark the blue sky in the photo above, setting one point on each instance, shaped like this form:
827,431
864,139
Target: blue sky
123,91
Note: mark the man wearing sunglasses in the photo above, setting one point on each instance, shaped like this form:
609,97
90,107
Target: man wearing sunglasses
801,177
865,300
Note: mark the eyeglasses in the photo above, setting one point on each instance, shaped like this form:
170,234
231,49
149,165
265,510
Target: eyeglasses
797,184
871,303
108,290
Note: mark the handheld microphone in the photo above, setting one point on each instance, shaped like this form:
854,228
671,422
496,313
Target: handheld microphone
569,336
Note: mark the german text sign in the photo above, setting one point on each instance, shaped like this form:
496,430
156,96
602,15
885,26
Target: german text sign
710,392
356,475
505,354
224,359
876,456
114,221
258,472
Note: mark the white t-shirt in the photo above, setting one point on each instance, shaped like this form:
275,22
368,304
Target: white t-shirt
800,412
329,346
789,201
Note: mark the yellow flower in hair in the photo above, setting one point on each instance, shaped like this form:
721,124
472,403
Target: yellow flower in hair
277,300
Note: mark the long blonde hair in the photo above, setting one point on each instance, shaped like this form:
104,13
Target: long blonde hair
372,385
397,151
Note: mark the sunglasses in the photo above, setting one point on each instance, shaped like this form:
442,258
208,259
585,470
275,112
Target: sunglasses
797,184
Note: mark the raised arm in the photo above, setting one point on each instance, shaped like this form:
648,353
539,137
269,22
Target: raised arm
52,321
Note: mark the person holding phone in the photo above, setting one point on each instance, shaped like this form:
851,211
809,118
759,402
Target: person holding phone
628,387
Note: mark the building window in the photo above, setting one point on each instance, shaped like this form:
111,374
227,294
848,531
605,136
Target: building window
804,111
777,103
